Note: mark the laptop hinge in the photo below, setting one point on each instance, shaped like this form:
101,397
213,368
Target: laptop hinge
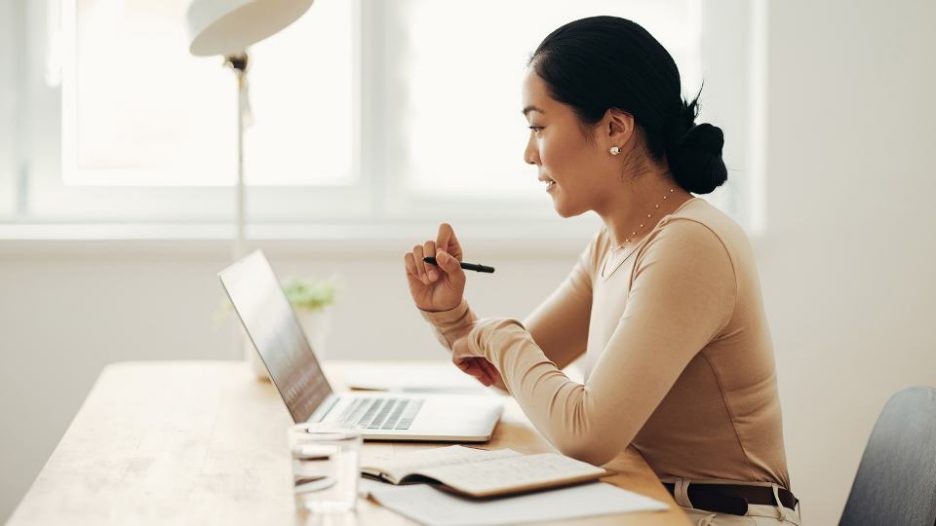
322,411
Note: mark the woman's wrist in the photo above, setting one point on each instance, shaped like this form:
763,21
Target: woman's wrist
445,315
451,323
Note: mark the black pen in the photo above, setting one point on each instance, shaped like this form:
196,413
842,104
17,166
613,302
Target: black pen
467,266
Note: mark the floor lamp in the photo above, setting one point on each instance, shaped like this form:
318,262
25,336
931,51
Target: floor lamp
227,28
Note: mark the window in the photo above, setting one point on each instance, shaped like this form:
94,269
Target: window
165,118
363,111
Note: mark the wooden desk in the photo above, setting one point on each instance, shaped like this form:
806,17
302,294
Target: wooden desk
204,443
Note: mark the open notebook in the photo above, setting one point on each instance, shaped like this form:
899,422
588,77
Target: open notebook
481,473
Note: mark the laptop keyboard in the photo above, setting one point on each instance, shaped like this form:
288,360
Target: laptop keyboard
382,413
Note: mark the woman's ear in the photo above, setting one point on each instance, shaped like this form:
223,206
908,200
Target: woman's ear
619,127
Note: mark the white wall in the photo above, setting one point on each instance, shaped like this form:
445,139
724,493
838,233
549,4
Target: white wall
845,264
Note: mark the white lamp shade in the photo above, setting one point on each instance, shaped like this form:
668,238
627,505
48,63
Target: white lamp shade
227,27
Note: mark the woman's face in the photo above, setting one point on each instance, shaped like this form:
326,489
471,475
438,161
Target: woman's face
573,168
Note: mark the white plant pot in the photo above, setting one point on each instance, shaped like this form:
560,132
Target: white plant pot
315,324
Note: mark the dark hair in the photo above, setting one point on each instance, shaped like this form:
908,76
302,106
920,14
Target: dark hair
604,62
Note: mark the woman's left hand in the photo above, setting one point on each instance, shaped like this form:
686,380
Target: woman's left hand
473,364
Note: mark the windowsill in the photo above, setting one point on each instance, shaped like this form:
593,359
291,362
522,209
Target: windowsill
515,238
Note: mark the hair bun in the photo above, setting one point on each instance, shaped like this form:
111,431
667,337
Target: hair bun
695,159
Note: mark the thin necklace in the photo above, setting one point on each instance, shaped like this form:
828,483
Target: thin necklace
641,227
605,272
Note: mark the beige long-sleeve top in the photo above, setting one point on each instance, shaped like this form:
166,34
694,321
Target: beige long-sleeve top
678,356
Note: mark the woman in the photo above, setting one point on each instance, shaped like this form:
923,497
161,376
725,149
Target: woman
664,302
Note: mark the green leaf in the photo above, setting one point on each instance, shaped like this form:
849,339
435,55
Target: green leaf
309,294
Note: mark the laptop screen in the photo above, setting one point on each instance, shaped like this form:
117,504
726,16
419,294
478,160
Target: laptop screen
275,331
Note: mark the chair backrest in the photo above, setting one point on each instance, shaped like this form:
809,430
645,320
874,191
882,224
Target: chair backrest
896,480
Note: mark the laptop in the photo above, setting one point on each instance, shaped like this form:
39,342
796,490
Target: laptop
278,337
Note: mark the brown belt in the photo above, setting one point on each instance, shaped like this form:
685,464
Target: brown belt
733,498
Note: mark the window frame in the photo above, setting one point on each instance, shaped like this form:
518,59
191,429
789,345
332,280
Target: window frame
52,200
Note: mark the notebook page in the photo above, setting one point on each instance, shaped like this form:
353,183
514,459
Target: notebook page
420,459
513,474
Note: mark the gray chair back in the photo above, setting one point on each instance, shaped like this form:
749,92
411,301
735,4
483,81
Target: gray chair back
896,480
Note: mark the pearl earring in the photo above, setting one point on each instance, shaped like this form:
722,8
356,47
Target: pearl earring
615,150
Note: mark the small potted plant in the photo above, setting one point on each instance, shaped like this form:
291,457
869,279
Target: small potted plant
312,300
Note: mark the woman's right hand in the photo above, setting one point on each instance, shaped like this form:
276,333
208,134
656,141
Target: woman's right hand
436,288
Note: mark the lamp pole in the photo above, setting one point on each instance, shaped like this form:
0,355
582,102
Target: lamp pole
238,63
